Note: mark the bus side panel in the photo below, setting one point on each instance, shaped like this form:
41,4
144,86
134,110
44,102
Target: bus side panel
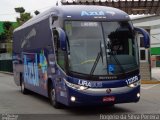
36,44
41,45
17,59
35,72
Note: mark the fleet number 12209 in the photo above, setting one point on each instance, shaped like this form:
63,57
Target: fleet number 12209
132,80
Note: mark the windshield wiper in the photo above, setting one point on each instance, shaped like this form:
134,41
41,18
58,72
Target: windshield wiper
95,64
100,54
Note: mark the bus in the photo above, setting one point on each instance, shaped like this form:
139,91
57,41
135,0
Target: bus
79,55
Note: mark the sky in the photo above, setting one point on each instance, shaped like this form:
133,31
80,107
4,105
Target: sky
7,12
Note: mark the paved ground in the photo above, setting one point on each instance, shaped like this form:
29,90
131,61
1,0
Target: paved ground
12,101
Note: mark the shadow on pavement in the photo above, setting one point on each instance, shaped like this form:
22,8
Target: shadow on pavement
84,110
96,110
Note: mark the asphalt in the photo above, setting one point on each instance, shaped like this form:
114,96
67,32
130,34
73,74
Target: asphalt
36,107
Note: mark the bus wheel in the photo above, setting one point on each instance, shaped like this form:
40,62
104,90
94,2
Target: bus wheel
23,89
52,97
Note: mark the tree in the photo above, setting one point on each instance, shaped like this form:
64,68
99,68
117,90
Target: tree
3,37
19,10
36,12
7,25
8,28
6,36
24,16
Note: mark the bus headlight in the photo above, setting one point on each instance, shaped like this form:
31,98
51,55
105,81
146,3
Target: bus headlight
135,84
82,87
74,86
73,99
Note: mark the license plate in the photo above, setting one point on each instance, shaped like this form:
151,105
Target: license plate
109,99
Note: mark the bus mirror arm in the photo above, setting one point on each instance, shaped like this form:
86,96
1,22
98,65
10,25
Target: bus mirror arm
62,38
145,36
54,17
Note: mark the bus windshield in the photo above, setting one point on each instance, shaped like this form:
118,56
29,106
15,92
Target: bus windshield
101,48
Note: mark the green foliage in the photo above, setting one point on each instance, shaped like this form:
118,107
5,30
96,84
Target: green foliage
24,16
7,34
7,25
19,10
3,37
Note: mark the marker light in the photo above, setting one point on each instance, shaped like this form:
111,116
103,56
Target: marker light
73,99
138,95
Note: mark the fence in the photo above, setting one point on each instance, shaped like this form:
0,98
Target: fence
6,62
6,65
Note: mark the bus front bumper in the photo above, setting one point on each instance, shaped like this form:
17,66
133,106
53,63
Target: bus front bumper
102,97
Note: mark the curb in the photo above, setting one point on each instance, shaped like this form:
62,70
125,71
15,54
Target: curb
4,72
150,82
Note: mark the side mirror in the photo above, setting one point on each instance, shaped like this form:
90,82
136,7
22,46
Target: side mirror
145,36
62,38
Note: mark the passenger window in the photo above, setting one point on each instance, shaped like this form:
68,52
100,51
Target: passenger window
60,55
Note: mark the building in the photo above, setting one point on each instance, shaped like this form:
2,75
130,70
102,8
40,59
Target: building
152,23
135,7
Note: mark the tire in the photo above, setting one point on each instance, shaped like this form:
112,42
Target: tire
23,89
52,97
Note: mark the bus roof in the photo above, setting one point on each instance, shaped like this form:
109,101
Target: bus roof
80,12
